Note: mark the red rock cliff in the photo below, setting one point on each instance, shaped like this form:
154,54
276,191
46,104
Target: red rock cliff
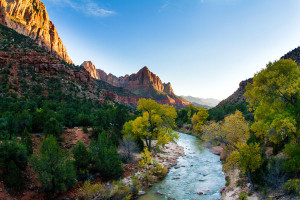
30,18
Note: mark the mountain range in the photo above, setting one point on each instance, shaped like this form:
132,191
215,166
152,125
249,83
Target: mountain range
44,52
202,102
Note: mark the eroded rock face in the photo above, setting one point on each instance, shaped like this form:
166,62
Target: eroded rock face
144,84
30,18
90,67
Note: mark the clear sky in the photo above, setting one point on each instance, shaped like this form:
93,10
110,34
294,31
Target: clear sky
203,47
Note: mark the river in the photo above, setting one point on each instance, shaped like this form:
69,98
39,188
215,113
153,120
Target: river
200,171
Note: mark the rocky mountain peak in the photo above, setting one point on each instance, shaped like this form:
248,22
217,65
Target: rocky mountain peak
30,18
90,67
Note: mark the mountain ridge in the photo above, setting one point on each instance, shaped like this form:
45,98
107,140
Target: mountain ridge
144,83
31,19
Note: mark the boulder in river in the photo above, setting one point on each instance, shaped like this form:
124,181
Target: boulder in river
159,192
217,150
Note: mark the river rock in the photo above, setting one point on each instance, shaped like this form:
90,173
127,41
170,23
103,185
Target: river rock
176,178
200,193
217,150
159,192
176,167
141,192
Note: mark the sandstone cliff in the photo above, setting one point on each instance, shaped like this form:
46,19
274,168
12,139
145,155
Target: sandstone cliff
30,18
238,95
90,67
144,84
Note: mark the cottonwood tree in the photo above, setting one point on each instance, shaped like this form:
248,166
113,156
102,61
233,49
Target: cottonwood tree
274,97
199,119
156,122
233,131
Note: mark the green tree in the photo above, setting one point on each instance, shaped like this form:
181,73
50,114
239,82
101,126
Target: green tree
13,159
105,158
54,167
156,122
26,140
82,156
52,127
275,98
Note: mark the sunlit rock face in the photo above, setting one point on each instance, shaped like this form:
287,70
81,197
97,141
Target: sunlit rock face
30,18
144,83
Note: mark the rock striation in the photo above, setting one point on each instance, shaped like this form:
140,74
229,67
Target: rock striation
144,83
30,18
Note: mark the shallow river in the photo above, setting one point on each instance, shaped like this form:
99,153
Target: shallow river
200,171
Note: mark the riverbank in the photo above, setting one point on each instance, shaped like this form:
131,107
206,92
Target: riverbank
197,175
235,182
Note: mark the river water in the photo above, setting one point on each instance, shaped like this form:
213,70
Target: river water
200,171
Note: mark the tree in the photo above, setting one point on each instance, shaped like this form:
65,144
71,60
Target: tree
146,162
26,140
199,119
52,127
156,122
54,167
13,159
105,158
233,131
275,98
128,146
82,156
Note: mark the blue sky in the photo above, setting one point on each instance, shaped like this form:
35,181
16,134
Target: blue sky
203,47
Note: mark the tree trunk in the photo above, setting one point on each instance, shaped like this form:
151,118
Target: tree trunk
250,180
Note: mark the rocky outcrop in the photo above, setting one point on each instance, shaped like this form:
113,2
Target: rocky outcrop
90,67
30,18
144,84
238,95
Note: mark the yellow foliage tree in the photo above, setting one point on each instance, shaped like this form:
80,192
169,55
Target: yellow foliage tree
246,157
233,131
274,97
199,119
146,162
156,122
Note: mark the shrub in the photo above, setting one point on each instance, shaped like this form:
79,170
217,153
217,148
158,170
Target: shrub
52,127
55,170
243,196
293,185
105,158
81,155
26,140
13,158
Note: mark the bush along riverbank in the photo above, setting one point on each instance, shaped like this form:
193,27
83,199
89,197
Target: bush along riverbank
145,170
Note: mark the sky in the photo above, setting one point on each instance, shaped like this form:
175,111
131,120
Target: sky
203,47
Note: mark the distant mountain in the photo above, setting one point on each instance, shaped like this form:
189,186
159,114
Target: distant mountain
144,83
31,19
202,102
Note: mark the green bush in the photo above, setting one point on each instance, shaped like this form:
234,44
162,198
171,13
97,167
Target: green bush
293,163
293,185
81,155
55,170
105,158
26,140
243,196
14,159
52,127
